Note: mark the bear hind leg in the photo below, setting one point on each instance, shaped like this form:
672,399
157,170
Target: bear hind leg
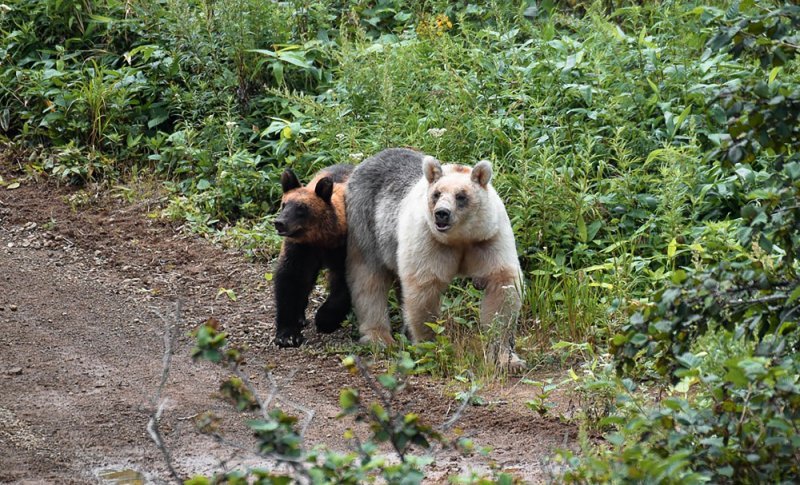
369,288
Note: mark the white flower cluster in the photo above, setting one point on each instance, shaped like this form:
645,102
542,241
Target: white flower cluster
437,132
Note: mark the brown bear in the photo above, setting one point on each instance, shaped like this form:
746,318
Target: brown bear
313,223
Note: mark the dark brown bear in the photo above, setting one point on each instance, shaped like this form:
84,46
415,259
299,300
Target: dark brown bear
312,222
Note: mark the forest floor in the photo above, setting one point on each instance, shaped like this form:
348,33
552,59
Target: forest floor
86,297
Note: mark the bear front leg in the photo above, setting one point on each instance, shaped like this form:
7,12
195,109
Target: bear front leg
297,270
421,302
499,312
332,313
369,288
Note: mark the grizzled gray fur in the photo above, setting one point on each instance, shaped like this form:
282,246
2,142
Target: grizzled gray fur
380,183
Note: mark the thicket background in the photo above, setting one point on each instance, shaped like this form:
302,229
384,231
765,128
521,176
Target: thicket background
647,153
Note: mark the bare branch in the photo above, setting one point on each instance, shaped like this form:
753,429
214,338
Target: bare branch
460,411
155,435
158,403
386,399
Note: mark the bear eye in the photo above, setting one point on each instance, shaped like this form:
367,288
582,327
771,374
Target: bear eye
461,199
436,195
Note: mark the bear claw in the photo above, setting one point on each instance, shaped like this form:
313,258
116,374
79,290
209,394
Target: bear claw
289,340
380,337
326,324
511,362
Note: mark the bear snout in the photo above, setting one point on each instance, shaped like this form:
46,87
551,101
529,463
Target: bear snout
442,219
281,227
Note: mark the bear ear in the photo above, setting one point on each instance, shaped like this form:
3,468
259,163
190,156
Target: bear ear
289,180
431,168
482,173
324,189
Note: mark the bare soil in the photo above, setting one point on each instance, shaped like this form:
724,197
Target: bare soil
86,296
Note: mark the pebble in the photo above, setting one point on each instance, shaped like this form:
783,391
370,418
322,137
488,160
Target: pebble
14,371
13,308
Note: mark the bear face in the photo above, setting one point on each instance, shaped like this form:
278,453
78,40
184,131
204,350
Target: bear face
457,199
313,214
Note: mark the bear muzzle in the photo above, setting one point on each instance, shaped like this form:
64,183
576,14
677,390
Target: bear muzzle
280,226
285,229
442,219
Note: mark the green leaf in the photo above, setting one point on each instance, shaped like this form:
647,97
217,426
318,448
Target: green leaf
681,118
227,292
792,169
593,228
672,248
388,381
348,399
774,74
735,374
582,234
197,480
653,87
793,296
639,339
294,57
157,120
277,71
101,19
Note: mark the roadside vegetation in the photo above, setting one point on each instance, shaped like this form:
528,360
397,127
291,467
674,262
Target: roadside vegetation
648,154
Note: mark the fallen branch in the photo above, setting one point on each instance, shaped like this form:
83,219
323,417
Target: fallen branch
155,417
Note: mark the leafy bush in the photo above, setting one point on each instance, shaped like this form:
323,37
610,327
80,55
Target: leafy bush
739,416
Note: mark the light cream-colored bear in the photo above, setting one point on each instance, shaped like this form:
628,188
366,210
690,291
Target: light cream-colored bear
445,221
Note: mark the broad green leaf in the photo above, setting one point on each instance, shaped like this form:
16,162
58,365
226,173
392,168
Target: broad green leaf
348,399
774,74
681,118
672,248
654,87
582,229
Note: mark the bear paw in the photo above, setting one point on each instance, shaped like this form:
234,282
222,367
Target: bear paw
325,323
289,339
378,336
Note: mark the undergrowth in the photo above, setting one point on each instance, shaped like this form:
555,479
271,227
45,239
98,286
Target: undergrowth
647,153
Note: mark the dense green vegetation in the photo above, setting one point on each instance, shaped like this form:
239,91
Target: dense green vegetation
648,154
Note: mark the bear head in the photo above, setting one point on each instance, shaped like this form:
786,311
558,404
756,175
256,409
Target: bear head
311,214
459,200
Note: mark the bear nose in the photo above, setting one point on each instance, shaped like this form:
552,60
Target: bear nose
442,216
280,226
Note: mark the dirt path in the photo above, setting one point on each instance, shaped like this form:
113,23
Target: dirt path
85,297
